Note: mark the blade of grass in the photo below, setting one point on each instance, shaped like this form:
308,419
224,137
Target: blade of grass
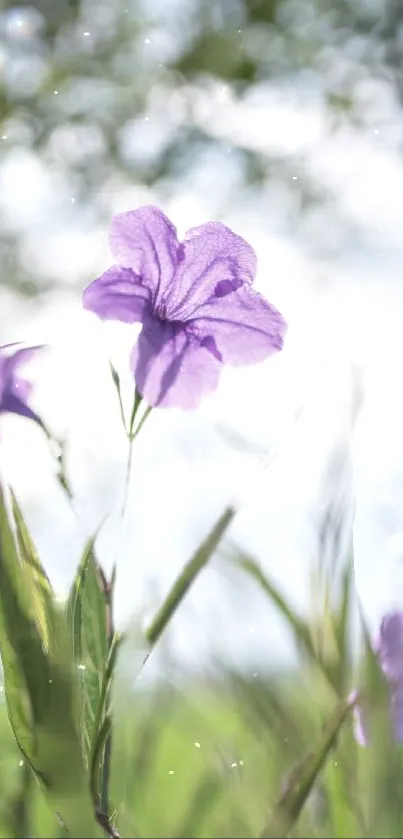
303,777
299,627
187,577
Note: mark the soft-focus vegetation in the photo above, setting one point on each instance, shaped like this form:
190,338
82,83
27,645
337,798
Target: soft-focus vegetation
108,96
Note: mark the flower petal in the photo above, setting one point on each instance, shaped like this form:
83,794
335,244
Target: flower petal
146,241
118,295
171,367
214,261
360,726
390,645
397,710
12,404
11,363
245,327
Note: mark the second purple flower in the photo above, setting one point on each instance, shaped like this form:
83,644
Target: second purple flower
389,651
15,390
195,302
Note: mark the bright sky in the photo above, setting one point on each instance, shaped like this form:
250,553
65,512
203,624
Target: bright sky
293,412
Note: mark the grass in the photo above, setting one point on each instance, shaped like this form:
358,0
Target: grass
210,760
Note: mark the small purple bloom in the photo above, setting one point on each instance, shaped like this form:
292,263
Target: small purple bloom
389,650
14,390
195,302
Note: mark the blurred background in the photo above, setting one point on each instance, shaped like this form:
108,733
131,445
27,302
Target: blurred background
283,119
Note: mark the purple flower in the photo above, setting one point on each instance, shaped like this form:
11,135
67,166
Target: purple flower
14,390
195,302
389,650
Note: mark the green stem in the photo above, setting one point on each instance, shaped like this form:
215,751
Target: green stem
136,404
105,773
131,437
107,753
187,577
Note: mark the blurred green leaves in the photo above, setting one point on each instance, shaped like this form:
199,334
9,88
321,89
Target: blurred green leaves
303,777
324,640
211,762
39,682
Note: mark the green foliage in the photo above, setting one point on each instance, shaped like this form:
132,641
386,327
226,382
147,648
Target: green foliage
268,754
39,685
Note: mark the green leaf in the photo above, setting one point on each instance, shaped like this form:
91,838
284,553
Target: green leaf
116,382
187,577
38,677
16,814
296,623
205,795
99,762
342,624
39,588
89,616
303,777
343,809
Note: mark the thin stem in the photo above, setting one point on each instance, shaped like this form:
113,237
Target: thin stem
132,436
105,775
146,414
106,760
105,822
136,404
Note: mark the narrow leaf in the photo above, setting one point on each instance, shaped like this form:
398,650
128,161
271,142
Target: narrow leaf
303,777
296,623
38,678
187,577
38,584
88,613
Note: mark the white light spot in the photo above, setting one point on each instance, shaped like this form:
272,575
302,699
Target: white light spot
4,136
81,667
21,763
147,41
294,177
1,688
72,199
51,681
233,765
147,119
241,762
255,675
55,92
197,744
86,34
171,771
